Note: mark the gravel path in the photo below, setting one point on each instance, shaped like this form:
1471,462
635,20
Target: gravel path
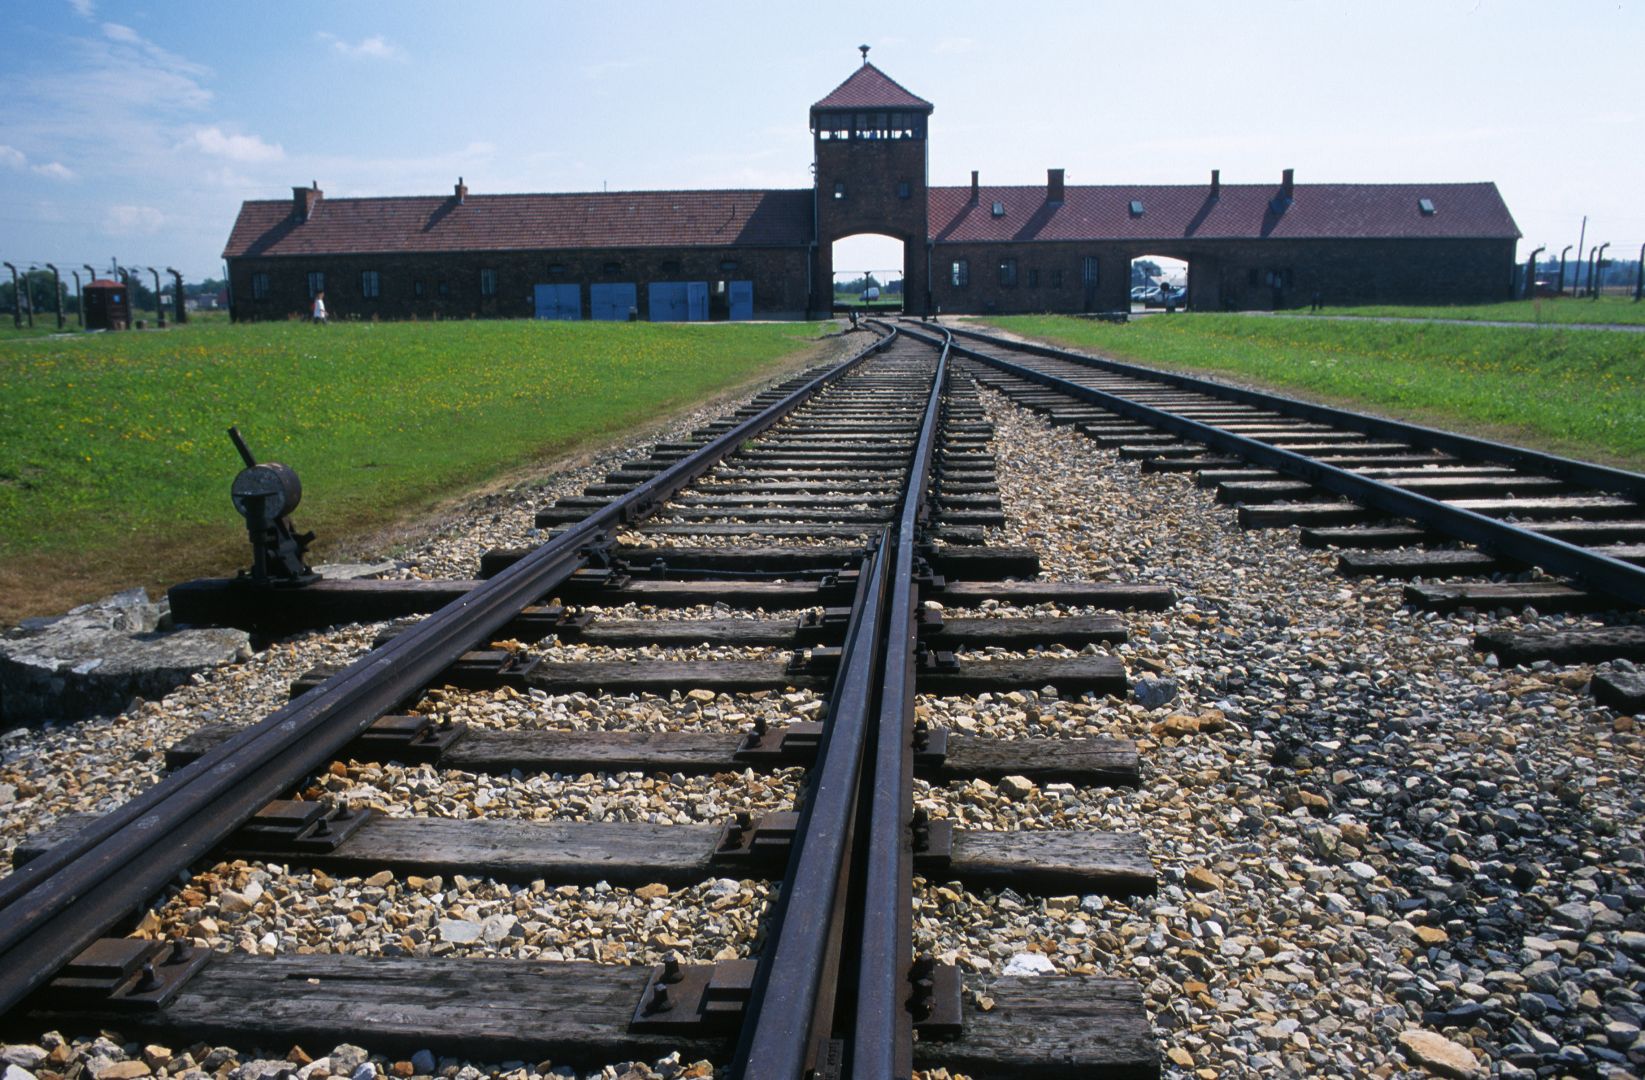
1374,849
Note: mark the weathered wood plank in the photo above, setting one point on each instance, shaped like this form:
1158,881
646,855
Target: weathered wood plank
1543,595
954,633
633,853
1418,562
1283,515
1564,646
578,1014
1083,761
1070,675
1367,536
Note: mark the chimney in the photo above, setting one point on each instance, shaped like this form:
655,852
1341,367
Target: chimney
1288,184
462,191
1216,183
1053,185
974,195
305,199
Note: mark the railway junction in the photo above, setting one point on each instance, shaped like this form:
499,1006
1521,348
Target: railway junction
958,704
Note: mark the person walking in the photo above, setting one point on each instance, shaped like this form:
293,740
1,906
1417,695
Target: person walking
319,313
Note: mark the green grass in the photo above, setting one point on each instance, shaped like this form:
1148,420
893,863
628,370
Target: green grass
114,451
1573,392
1614,310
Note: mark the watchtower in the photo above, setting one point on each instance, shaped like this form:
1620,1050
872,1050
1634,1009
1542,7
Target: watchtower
870,161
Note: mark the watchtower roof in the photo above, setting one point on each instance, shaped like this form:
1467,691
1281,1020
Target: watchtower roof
870,88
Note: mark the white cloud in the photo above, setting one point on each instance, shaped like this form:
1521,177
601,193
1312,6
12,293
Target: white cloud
125,220
56,170
83,8
375,47
12,158
246,148
954,46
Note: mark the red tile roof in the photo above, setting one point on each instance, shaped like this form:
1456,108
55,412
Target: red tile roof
1243,211
435,223
870,88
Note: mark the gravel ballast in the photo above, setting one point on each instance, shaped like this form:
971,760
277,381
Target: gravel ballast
1379,854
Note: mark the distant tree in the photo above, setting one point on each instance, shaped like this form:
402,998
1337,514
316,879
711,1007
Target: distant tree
1145,272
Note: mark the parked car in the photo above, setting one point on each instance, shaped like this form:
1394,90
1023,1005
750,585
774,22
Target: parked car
1139,293
1168,297
871,294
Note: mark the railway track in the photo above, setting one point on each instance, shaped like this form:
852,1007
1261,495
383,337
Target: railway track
859,502
1396,499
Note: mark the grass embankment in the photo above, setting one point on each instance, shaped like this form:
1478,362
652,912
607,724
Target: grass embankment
1607,310
1574,392
115,469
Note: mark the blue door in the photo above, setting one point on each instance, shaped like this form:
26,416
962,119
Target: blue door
562,302
612,302
696,299
742,300
668,301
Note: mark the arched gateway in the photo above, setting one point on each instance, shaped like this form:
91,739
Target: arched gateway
714,254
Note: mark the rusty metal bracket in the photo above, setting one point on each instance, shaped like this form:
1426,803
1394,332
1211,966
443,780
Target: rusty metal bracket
411,740
828,625
600,577
933,841
541,621
298,827
817,660
930,745
934,660
786,745
694,999
935,1001
765,839
127,974
928,621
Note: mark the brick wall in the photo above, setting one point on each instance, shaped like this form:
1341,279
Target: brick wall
1233,274
778,274
871,171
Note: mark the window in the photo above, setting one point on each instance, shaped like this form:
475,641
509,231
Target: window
904,189
1089,272
999,209
488,282
316,283
729,265
839,190
1033,278
417,288
1136,207
441,287
1426,206
259,286
1008,272
1056,279
959,273
371,284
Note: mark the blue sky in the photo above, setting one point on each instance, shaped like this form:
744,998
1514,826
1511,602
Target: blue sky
136,129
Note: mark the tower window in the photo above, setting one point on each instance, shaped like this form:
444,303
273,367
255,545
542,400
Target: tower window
839,191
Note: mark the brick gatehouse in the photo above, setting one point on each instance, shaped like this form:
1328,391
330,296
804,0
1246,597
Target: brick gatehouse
976,248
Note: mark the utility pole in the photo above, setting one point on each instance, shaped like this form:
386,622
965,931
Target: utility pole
1576,290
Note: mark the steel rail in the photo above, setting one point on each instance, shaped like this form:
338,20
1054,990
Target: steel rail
1602,573
799,980
1586,473
882,1045
56,905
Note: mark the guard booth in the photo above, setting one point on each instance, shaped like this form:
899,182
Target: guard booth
107,305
